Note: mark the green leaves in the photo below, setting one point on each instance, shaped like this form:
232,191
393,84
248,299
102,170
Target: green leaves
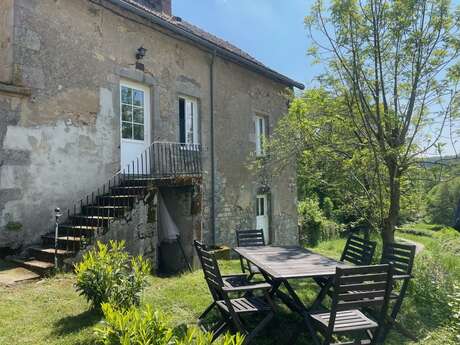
135,326
108,274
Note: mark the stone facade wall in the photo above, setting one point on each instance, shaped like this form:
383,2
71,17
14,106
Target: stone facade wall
139,231
64,141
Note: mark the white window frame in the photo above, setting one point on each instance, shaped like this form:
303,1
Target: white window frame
145,107
260,131
192,121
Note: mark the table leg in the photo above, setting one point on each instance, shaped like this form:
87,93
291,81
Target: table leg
322,295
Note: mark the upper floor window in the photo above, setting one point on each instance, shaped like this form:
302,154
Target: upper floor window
132,113
260,126
188,121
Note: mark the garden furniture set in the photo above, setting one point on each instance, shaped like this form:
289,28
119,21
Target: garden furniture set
363,300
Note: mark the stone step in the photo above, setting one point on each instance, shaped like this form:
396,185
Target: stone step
78,230
21,271
92,221
47,254
64,242
116,200
106,211
40,267
128,190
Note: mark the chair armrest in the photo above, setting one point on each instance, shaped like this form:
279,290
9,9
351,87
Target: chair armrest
261,286
235,275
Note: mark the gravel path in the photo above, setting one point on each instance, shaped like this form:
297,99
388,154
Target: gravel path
418,246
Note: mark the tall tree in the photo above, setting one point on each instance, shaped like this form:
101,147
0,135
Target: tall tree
394,62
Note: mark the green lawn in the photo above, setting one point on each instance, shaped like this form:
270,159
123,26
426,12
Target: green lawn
51,312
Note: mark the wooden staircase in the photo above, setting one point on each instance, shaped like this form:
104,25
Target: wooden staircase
79,229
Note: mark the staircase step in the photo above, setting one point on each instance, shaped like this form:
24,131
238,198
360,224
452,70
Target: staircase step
64,242
116,200
128,190
34,264
92,221
77,230
111,211
138,181
47,254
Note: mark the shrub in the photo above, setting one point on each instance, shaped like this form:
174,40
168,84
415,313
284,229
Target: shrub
148,327
454,303
432,284
314,226
132,326
443,202
108,274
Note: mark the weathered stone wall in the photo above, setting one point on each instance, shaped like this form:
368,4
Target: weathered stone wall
241,95
138,230
64,141
6,41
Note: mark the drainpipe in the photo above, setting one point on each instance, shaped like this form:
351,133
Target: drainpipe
213,162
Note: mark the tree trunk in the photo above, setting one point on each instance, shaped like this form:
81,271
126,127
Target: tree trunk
389,226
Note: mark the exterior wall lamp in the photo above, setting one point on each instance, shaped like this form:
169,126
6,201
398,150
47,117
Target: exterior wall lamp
141,53
139,56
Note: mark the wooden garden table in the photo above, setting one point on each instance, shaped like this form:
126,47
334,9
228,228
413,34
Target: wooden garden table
279,264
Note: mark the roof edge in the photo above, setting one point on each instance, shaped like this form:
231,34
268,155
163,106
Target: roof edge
209,46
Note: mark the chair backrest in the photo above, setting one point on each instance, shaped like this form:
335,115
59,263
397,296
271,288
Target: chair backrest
358,251
250,238
401,256
359,287
211,270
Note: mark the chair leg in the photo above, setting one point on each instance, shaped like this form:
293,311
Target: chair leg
259,327
206,312
312,332
217,332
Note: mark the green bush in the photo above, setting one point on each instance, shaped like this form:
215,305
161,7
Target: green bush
454,303
314,226
433,283
442,202
148,327
108,274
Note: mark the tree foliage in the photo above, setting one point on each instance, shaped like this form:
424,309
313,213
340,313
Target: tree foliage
394,65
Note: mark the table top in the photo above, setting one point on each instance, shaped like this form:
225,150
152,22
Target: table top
284,262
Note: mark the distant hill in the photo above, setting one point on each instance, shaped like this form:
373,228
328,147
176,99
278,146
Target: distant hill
437,160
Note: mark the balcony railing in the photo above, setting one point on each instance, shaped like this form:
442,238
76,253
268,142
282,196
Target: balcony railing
166,160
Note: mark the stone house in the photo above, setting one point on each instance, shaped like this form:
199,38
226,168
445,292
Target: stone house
110,109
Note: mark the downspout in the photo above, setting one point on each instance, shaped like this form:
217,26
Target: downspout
213,162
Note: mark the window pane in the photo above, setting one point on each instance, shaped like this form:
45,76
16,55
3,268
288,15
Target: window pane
138,98
181,120
138,132
126,113
139,115
126,95
127,130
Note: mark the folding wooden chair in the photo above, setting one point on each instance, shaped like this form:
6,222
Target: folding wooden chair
232,309
249,238
354,288
233,280
402,257
357,251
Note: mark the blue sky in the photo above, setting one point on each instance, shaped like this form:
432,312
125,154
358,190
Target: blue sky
272,31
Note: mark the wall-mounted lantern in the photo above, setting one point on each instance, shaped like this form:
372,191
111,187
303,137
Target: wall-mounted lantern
139,56
141,53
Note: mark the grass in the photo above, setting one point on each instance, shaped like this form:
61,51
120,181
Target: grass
51,312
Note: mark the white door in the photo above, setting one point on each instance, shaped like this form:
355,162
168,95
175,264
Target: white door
134,122
262,216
